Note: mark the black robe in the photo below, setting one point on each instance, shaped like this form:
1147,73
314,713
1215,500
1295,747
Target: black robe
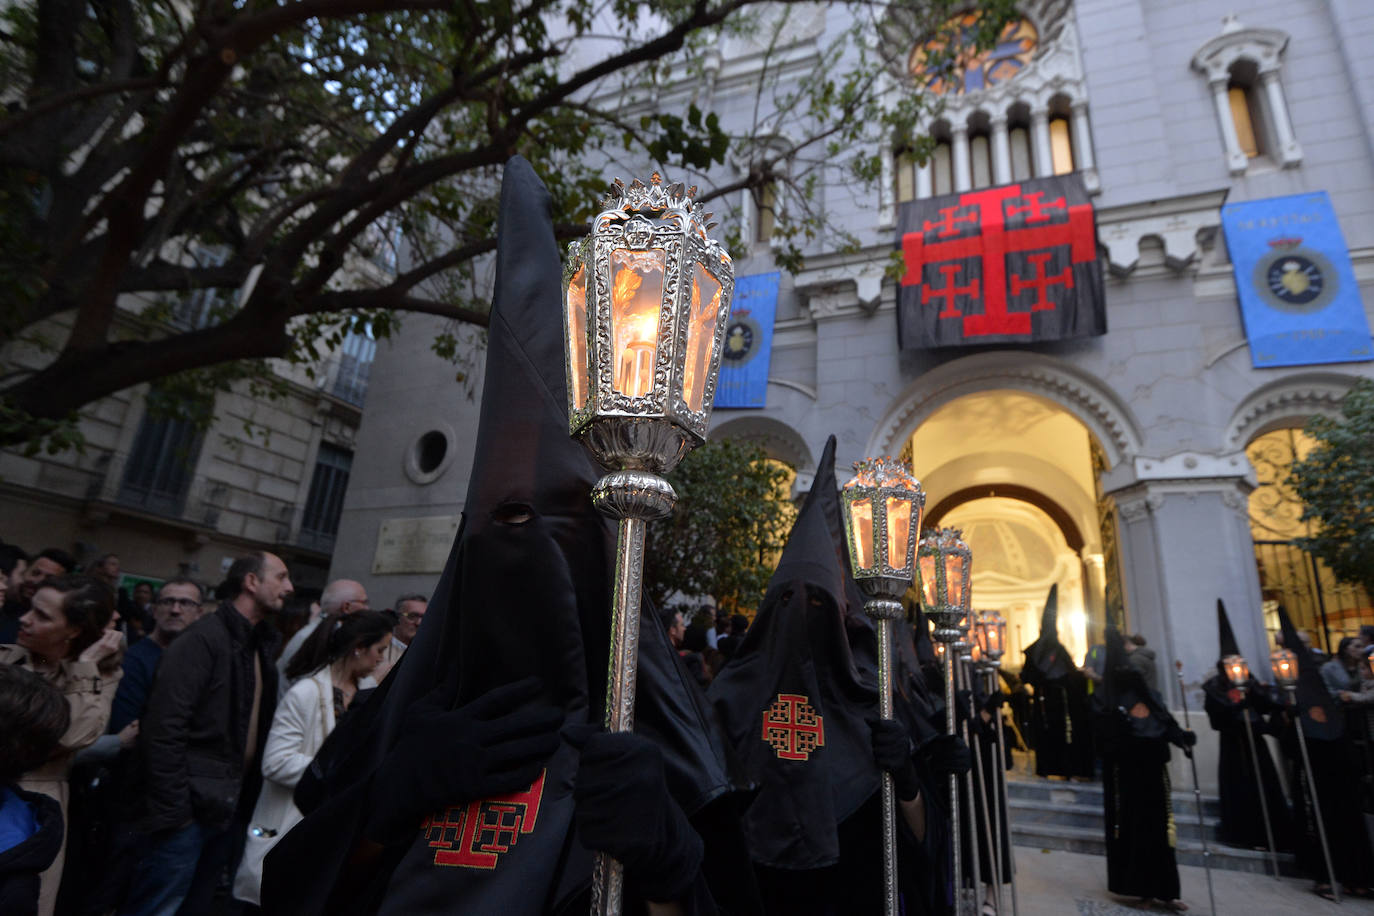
1242,819
794,703
1334,774
1135,730
1060,717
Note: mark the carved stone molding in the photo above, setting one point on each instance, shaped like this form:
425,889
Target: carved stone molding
1290,399
1089,400
1178,223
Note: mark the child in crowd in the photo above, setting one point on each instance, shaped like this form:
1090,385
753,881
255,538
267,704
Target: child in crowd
33,717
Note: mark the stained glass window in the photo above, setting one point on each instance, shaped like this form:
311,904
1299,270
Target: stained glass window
949,63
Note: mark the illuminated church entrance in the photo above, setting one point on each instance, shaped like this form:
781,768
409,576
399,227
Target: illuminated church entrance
1016,473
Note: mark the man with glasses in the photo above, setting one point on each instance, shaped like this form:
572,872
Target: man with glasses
410,613
176,607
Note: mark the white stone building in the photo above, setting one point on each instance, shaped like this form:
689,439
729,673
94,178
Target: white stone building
1136,469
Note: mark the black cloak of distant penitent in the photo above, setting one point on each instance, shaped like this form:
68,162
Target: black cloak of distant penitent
1334,773
1135,731
1227,706
525,591
1061,725
794,707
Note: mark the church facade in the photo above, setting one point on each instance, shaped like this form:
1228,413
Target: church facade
1139,469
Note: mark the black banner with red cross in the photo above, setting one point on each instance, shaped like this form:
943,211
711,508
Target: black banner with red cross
1012,264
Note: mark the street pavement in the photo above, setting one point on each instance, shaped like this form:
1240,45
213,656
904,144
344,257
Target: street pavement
1058,883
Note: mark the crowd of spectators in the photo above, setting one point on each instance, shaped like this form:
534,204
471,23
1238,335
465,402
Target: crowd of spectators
150,739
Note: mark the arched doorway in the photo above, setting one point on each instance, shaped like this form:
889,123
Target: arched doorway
1018,474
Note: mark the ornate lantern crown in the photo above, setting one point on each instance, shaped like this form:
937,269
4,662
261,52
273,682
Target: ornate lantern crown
883,505
647,296
1284,663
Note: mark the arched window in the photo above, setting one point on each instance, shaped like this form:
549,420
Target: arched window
1242,67
1247,112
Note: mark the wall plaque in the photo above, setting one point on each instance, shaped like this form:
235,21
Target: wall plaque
414,545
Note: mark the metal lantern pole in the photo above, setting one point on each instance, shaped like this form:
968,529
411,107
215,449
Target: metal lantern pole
1285,666
883,505
646,301
973,780
1197,792
945,564
1239,674
989,642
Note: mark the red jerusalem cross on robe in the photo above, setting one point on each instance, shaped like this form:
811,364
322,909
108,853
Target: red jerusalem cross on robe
475,834
792,728
976,232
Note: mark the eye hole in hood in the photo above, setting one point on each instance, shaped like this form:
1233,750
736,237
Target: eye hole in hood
513,513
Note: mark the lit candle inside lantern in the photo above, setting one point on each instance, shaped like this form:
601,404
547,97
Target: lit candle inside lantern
954,580
1285,666
636,299
898,531
862,512
1236,669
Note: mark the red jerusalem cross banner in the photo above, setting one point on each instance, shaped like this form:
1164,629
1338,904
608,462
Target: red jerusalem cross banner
1012,264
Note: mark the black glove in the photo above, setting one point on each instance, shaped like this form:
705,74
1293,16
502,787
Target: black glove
994,703
946,755
892,751
489,747
962,701
1183,738
623,808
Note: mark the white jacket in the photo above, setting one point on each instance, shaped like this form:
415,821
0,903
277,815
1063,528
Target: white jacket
304,718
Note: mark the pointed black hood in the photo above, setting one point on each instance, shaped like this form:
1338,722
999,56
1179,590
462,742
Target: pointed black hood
794,679
858,627
1047,659
1226,638
526,591
1322,717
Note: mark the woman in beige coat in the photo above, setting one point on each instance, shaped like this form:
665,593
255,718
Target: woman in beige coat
66,639
328,669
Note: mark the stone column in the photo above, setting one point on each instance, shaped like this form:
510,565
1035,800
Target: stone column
1289,151
925,181
1236,160
1040,142
1082,137
1001,152
963,174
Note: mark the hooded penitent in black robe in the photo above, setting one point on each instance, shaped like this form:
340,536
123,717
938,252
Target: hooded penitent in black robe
1242,819
1061,727
1135,730
983,738
526,591
794,707
1333,772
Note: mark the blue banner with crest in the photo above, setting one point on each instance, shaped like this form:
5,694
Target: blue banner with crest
748,342
1298,295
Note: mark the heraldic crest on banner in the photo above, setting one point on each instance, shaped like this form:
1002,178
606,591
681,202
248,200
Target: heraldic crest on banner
792,727
1011,264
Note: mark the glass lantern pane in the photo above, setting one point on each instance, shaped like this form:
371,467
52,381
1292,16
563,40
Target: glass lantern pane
929,587
898,531
954,580
861,517
701,334
577,335
636,299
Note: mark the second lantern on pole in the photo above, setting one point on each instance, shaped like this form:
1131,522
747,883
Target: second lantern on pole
945,564
646,300
883,505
